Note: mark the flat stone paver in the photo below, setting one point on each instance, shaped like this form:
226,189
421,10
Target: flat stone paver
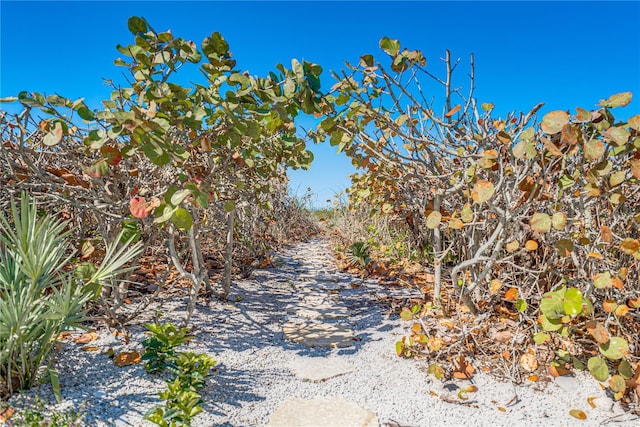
316,369
318,334
318,311
322,412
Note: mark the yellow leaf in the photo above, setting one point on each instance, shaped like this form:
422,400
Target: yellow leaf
512,246
577,413
495,285
531,245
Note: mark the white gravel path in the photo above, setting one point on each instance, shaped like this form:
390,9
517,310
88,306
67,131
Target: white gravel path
246,338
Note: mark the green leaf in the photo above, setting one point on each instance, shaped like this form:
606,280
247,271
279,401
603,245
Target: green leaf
521,305
618,100
399,348
436,370
229,205
85,113
130,232
390,46
55,384
552,304
602,280
616,348
406,314
156,154
137,25
179,196
182,219
85,271
163,213
540,222
617,384
598,368
298,70
625,369
541,338
366,60
573,302
524,150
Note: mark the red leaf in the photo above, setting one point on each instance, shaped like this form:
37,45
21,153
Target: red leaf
139,207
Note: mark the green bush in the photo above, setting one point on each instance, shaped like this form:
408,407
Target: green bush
182,400
39,294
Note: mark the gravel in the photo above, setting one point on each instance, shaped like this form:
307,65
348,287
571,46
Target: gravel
253,376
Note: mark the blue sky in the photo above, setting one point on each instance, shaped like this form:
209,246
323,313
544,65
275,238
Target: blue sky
565,54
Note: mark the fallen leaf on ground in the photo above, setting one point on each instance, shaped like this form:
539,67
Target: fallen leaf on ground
86,338
502,336
558,371
90,348
577,413
462,369
6,413
127,358
528,362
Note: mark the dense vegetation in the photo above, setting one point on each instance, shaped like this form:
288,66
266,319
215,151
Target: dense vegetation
534,222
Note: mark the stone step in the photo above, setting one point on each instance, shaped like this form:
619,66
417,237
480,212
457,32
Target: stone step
322,412
318,311
317,369
318,334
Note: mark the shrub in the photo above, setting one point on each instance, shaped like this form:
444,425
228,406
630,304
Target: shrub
39,294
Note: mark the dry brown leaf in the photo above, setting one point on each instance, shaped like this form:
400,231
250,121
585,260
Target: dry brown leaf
127,358
64,335
528,362
598,331
558,371
86,338
591,402
463,370
6,413
90,348
502,336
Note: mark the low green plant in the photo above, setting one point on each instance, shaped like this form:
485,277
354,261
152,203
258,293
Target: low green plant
193,368
190,369
559,311
359,254
181,405
37,416
39,294
160,347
